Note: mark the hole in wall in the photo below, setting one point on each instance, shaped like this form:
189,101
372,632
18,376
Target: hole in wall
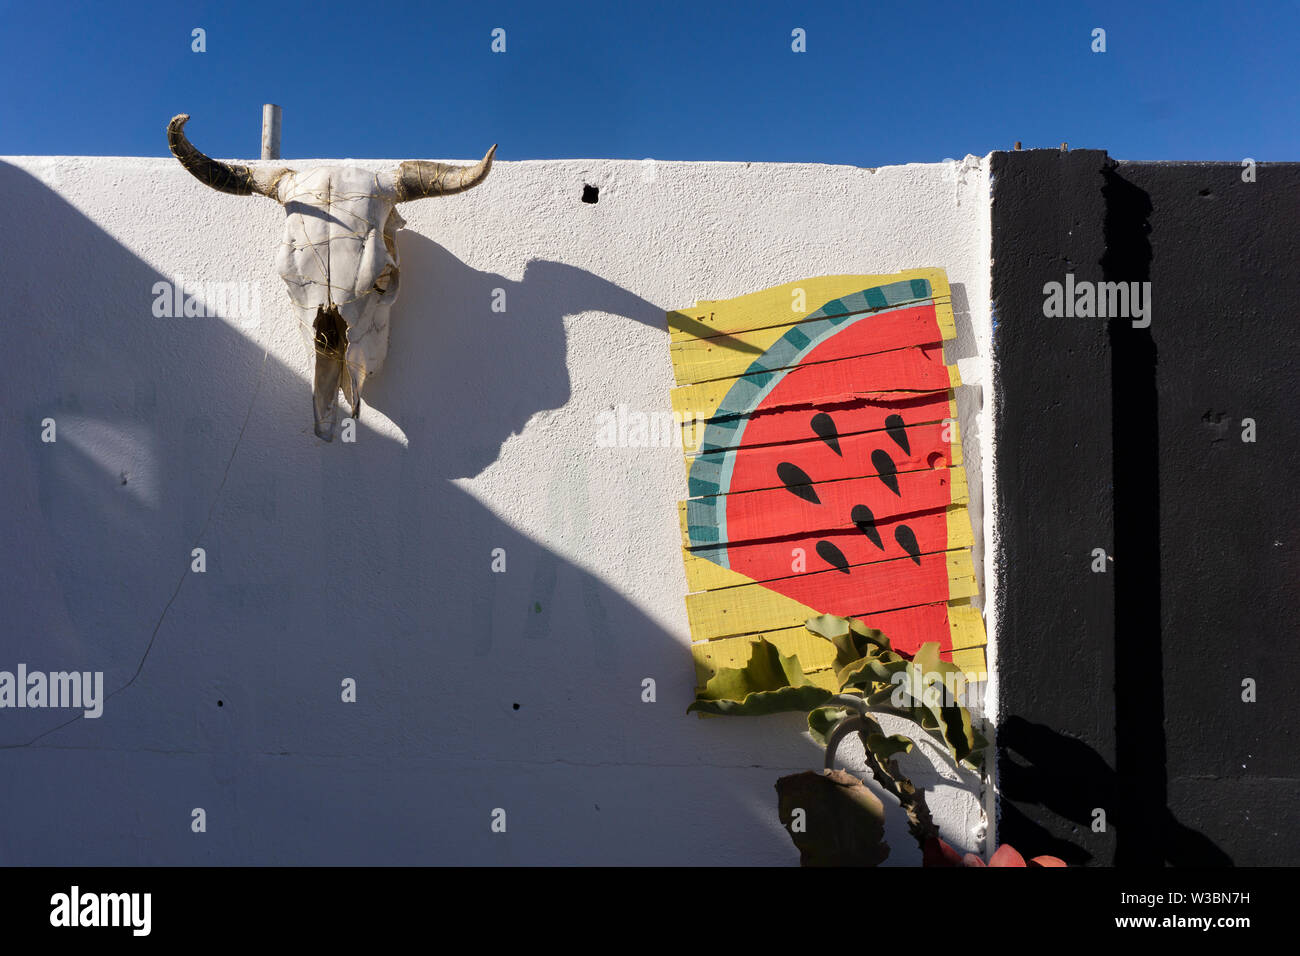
515,706
590,194
221,703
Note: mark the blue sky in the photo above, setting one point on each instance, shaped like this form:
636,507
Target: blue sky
880,83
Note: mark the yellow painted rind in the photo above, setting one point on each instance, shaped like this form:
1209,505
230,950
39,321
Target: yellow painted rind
711,317
961,575
959,527
815,653
943,306
971,660
703,575
960,491
966,625
954,377
726,356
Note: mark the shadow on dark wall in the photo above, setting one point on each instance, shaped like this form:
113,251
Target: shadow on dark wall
475,690
1141,754
1060,773
1067,777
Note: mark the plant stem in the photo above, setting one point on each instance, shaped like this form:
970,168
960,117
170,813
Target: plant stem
890,776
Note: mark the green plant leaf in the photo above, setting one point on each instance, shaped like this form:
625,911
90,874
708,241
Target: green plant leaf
923,693
769,683
870,634
828,626
866,672
822,719
866,662
840,823
886,748
853,640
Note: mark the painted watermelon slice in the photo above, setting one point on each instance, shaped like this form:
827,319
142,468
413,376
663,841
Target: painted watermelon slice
829,469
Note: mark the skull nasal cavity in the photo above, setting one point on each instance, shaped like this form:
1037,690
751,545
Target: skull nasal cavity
330,330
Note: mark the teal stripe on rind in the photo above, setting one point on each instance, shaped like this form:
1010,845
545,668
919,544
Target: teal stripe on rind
744,395
905,291
782,353
796,337
757,370
702,513
717,553
721,431
710,472
706,471
701,486
703,533
709,464
857,302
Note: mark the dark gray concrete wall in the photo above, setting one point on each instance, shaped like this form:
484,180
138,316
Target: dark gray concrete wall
1121,691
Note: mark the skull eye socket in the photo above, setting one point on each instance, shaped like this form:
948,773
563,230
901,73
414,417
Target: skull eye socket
391,224
384,279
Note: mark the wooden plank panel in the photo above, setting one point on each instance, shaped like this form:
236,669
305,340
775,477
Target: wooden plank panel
864,414
813,652
902,370
754,558
927,451
971,659
915,408
703,574
886,585
913,486
967,624
963,623
774,306
824,506
733,355
701,360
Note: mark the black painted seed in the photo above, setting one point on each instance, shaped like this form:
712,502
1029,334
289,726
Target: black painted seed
797,482
907,540
823,427
896,430
866,522
833,556
888,472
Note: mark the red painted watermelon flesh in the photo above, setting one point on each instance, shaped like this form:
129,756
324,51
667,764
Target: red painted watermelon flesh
858,488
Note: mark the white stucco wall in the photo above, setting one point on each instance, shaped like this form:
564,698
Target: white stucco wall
373,560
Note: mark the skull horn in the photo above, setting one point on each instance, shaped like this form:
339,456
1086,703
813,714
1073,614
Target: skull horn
421,179
225,177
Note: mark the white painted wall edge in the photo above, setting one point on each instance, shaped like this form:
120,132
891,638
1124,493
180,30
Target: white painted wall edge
591,527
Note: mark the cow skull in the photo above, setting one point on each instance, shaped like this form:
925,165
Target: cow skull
339,256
